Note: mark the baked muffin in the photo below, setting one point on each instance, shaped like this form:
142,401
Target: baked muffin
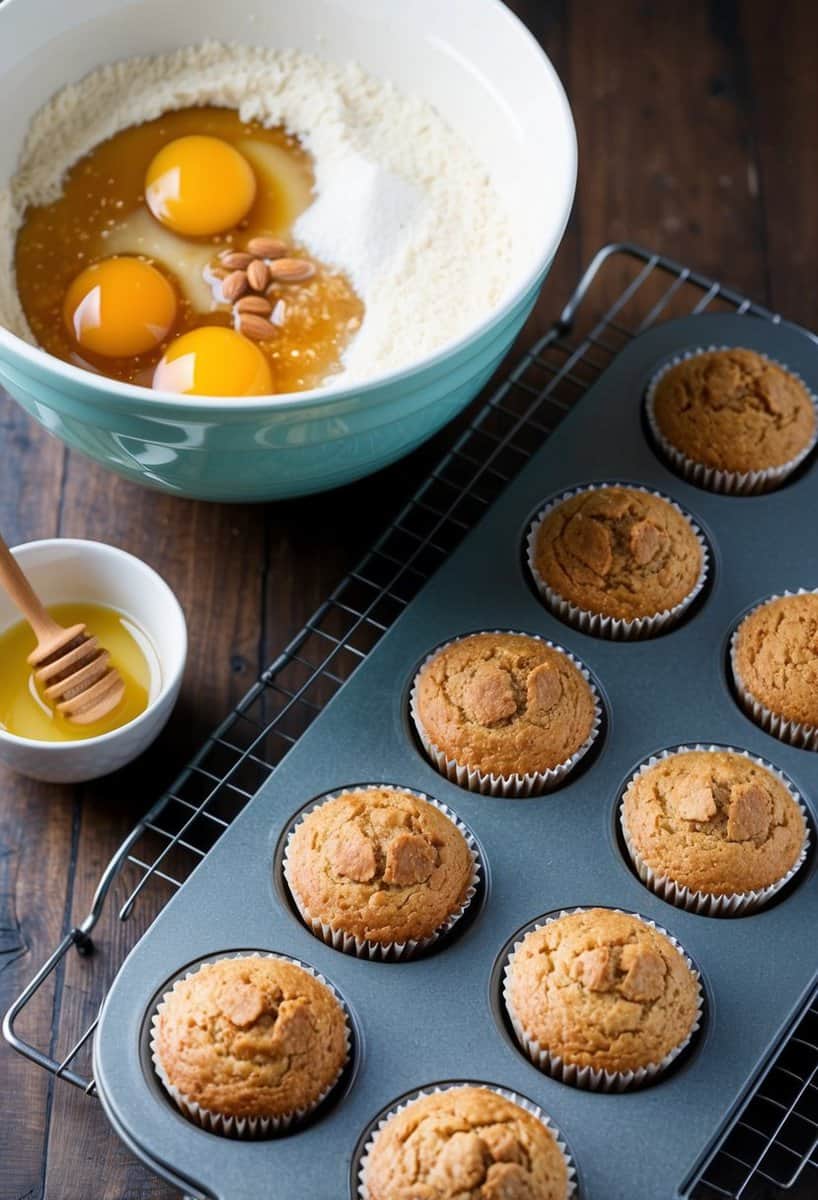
378,866
704,825
245,1045
600,998
726,414
616,552
465,1143
503,712
775,665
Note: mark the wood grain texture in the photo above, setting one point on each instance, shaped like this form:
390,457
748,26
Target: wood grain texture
697,132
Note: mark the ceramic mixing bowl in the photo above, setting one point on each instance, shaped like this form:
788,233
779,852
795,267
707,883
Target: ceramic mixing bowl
70,569
483,71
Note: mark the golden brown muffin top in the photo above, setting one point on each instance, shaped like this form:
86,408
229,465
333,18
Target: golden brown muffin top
251,1037
776,656
602,989
466,1143
734,410
380,864
504,704
714,821
618,551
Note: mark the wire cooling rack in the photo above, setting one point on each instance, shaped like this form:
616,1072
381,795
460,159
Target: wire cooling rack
624,291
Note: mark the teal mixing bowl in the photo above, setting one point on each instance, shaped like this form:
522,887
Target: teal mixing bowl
488,77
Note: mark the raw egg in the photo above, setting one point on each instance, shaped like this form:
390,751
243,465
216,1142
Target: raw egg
199,185
213,361
120,307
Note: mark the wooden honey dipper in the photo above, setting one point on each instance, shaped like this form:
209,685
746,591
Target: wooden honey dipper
71,667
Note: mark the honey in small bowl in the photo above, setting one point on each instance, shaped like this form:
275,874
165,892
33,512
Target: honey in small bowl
23,710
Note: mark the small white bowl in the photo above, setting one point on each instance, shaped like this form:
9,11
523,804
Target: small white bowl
69,570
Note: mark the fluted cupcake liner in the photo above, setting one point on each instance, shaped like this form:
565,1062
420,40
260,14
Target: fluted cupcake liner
731,483
711,904
244,1127
506,1093
595,1079
805,737
348,943
533,783
597,624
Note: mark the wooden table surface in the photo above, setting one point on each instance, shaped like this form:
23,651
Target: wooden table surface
698,134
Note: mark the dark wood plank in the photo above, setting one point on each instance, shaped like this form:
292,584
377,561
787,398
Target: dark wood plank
781,41
36,834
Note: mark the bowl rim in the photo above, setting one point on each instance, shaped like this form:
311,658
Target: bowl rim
118,394
168,685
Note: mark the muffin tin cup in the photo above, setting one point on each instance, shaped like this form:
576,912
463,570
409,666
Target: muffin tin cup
507,1094
592,1078
731,483
598,624
805,737
710,904
533,783
348,943
245,1127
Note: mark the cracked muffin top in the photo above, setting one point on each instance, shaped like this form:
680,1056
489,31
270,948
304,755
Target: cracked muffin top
504,704
619,552
776,656
714,821
602,989
380,864
734,410
251,1037
465,1143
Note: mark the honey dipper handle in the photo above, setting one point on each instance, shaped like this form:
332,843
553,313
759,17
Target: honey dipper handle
22,595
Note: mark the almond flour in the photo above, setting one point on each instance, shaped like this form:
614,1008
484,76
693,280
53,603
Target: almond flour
402,206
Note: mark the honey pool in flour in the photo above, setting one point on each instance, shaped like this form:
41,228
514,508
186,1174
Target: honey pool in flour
102,216
23,710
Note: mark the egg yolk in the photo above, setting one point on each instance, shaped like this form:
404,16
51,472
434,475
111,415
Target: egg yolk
213,361
120,307
199,186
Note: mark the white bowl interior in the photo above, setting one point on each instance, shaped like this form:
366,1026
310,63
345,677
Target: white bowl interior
67,570
472,59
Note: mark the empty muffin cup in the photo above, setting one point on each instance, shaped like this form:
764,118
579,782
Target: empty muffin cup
566,1164
413,871
782,458
498,753
744,815
661,529
239,1004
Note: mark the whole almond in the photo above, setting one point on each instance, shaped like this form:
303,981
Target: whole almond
267,247
217,272
236,260
257,275
254,304
257,328
234,286
291,270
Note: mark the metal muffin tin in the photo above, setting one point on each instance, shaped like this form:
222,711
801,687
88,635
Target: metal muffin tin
440,1017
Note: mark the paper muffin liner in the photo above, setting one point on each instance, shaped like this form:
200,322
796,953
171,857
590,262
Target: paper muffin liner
244,1127
506,1093
805,737
348,943
711,904
595,1079
597,624
533,783
731,483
